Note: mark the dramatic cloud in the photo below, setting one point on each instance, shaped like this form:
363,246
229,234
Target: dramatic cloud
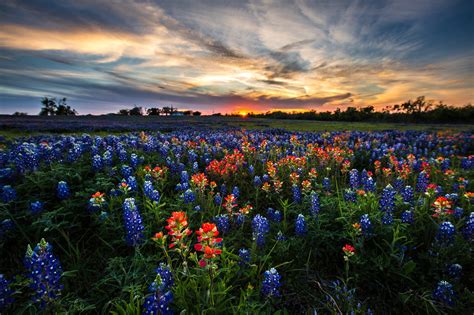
234,55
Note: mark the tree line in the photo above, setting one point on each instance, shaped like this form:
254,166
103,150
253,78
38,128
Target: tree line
53,107
418,110
156,111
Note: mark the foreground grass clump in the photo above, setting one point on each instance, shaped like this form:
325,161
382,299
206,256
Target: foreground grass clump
236,221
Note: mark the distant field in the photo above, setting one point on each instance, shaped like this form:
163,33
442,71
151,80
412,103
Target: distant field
11,126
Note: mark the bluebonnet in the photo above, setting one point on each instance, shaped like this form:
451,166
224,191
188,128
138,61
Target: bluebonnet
260,228
444,293
63,190
458,212
189,196
454,271
236,192
445,233
8,194
315,206
151,192
266,178
44,272
468,229
408,194
387,200
134,160
97,162
354,181
300,225
398,184
387,218
280,236
107,158
161,296
5,293
36,207
422,181
251,169
370,184
274,215
296,194
6,226
407,216
126,171
244,255
326,184
271,283
132,183
133,223
366,225
350,195
257,181
222,223
184,177
218,199
197,208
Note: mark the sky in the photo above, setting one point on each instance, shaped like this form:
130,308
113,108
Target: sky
234,56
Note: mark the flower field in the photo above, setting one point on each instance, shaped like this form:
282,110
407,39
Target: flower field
231,221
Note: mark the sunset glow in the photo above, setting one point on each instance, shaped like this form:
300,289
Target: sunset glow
215,56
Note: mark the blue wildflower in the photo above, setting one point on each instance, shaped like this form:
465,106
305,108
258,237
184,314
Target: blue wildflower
366,225
445,233
161,296
296,194
274,215
8,194
189,196
300,225
271,283
5,293
36,207
407,217
133,223
244,255
44,272
63,190
260,228
222,223
315,206
444,293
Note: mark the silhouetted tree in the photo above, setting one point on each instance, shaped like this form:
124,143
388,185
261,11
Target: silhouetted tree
154,111
124,112
49,106
196,113
187,112
136,111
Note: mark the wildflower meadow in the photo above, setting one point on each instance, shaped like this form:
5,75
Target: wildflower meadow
231,221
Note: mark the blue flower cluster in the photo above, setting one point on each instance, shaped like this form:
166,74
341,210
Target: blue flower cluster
8,194
300,225
161,296
274,215
44,272
296,193
133,223
36,207
150,191
468,229
422,182
222,223
5,293
444,293
260,228
445,233
408,194
387,204
366,225
271,283
315,206
244,255
63,190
